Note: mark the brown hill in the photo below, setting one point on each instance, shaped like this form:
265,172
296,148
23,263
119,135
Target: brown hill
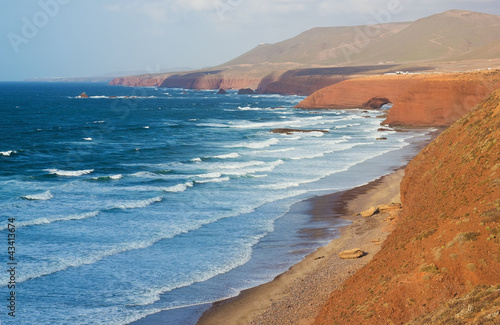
445,35
419,99
317,46
446,243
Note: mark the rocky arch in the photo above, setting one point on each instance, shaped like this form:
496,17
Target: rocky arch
376,102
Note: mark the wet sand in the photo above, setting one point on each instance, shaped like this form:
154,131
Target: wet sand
296,296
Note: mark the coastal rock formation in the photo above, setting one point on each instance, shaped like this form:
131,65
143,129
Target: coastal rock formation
446,241
221,92
246,91
148,80
376,102
370,212
419,99
290,131
83,95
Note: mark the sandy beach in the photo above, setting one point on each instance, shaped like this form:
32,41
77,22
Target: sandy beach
296,296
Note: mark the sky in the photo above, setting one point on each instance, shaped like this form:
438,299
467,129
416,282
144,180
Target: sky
84,38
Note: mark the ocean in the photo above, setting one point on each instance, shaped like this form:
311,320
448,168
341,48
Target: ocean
141,204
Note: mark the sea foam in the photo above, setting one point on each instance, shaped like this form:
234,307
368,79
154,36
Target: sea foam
139,204
7,153
39,197
70,173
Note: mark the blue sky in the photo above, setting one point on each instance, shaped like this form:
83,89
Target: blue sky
72,38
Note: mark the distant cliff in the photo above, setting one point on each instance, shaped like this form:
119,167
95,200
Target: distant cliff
440,265
418,99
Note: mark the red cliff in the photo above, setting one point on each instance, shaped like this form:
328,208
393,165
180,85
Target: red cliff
418,99
440,265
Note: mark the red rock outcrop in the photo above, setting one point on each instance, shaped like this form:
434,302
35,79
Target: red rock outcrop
418,99
447,239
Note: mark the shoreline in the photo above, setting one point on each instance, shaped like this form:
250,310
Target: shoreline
296,295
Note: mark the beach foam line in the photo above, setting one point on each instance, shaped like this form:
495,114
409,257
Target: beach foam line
150,296
68,173
39,197
63,265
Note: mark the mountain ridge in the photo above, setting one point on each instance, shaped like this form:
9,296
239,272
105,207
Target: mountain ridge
454,40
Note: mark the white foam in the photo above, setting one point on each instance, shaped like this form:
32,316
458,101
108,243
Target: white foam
112,177
213,180
238,165
252,169
280,186
69,173
210,175
196,160
139,204
256,145
45,221
178,187
87,139
146,127
7,153
248,108
39,197
145,175
227,156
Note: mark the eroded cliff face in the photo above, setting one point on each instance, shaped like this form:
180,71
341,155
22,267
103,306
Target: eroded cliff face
446,243
418,99
259,79
138,81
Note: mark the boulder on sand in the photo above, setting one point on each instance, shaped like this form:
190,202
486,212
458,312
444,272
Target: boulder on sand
351,254
370,212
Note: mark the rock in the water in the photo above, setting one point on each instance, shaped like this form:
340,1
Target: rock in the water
370,212
246,91
382,138
83,95
290,131
221,92
351,254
